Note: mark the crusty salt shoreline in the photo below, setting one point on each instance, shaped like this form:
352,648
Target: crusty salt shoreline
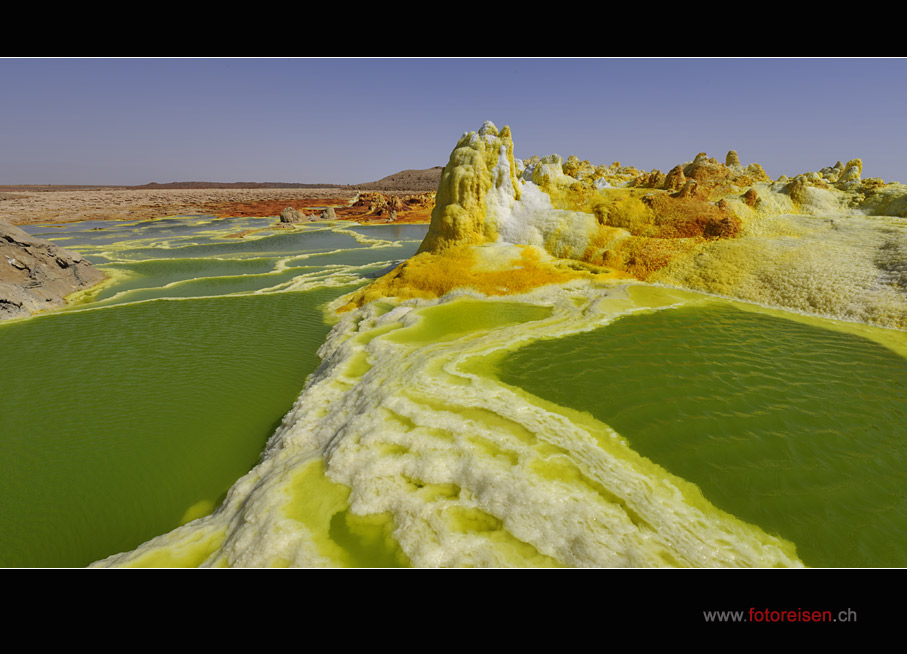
40,275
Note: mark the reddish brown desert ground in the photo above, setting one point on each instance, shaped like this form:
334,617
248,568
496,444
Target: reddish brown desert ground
407,196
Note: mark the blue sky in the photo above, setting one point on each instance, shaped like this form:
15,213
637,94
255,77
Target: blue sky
133,121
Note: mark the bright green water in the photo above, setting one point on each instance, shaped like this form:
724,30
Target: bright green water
120,423
120,420
156,273
795,428
457,318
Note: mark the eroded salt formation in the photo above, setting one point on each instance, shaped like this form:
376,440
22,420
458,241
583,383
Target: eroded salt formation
823,242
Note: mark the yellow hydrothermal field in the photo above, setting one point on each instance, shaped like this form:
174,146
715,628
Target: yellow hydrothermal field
598,366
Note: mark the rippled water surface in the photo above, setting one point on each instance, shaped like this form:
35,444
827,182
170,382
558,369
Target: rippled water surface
125,416
473,431
797,429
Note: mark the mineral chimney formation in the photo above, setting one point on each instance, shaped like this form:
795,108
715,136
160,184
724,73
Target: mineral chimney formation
481,162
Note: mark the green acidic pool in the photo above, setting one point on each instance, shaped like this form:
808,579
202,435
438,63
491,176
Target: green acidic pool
798,429
463,316
121,422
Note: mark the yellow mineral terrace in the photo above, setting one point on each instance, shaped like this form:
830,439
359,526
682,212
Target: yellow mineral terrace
502,226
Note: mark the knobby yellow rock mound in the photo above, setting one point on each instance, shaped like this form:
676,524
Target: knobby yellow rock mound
501,225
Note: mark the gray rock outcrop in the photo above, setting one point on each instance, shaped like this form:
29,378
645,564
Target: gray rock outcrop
291,215
36,275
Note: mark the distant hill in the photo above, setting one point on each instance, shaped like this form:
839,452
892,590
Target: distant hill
417,181
201,185
407,180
